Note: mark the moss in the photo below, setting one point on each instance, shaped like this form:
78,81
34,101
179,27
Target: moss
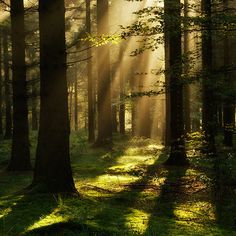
124,191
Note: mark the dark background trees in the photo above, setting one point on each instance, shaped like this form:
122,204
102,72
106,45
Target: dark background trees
20,157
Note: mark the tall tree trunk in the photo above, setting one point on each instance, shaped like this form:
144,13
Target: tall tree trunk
8,115
133,107
122,91
134,102
76,101
20,155
167,79
104,81
186,72
209,109
144,101
229,102
52,168
91,81
1,88
114,115
177,154
115,98
34,105
71,103
220,116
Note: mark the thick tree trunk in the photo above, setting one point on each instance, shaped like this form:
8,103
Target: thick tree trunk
1,88
20,155
8,114
104,81
209,108
91,81
177,154
52,168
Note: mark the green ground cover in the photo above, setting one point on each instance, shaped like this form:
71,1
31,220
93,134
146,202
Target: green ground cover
125,191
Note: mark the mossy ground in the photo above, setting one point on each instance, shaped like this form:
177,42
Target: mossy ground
125,191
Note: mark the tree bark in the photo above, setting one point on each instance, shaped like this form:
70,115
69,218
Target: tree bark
7,82
104,80
20,154
52,168
173,27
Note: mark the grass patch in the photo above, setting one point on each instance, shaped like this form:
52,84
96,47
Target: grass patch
123,191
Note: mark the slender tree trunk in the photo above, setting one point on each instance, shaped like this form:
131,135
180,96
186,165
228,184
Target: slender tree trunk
114,116
70,89
8,115
52,168
209,109
134,102
1,88
76,102
220,116
20,155
104,81
186,72
34,105
91,81
144,102
229,102
167,79
122,91
177,154
115,98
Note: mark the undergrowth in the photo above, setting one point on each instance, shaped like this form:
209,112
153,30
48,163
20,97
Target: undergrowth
125,191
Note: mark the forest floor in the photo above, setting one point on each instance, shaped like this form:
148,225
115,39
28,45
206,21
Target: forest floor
126,191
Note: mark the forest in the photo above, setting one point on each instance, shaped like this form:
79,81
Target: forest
117,117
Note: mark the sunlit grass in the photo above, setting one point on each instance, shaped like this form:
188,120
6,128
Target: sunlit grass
197,212
50,219
137,220
125,191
